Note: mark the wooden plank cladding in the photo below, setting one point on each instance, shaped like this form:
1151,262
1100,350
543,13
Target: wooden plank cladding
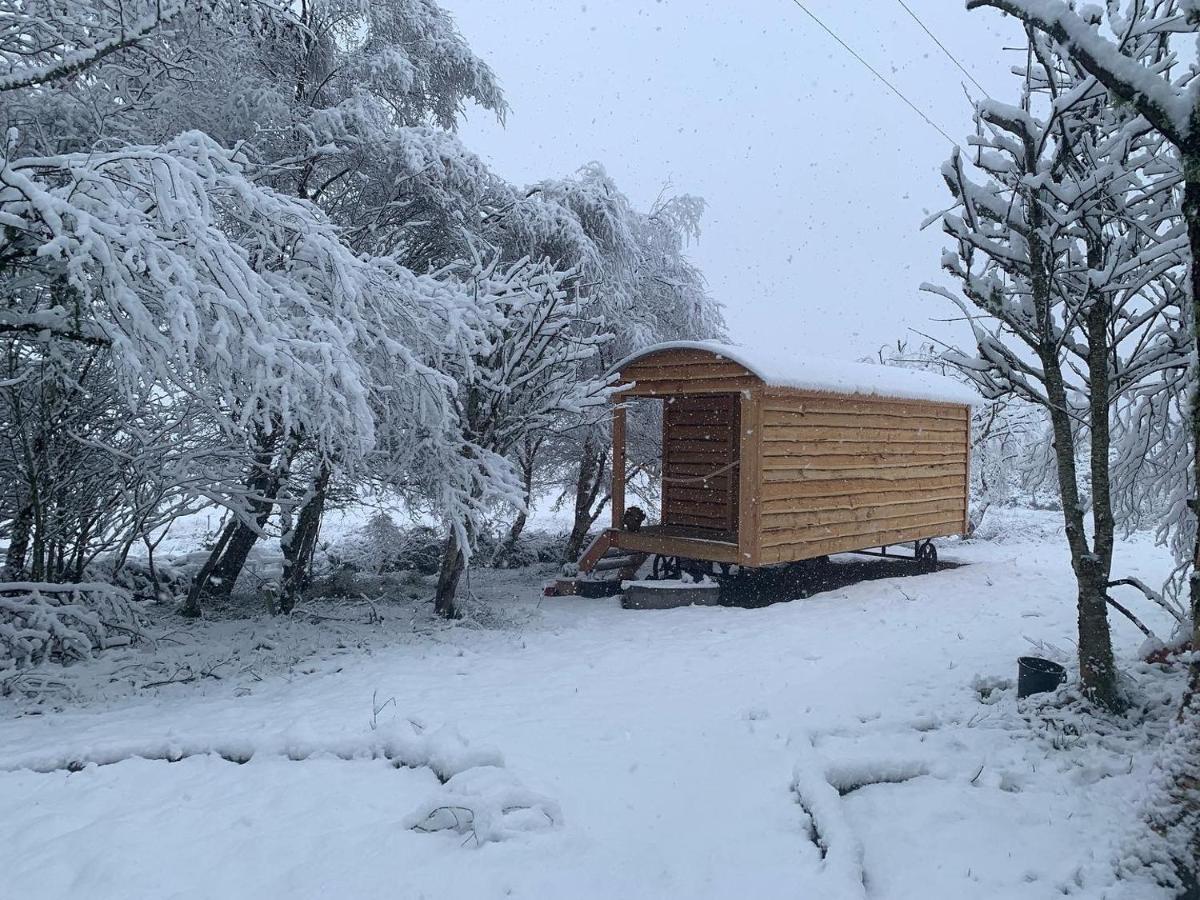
758,473
700,460
675,372
849,473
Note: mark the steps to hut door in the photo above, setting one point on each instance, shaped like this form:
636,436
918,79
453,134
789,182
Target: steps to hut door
701,437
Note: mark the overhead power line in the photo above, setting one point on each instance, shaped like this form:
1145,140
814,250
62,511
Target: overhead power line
895,90
950,56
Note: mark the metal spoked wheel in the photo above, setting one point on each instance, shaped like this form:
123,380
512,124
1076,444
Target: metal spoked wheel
927,556
666,567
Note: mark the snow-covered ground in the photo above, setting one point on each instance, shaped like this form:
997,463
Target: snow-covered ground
594,752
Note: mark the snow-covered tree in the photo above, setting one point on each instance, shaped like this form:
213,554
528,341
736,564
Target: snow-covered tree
1137,51
1062,230
528,375
228,204
190,267
636,281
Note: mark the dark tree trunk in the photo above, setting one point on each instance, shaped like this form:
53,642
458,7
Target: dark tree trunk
528,465
18,543
1191,215
191,605
225,573
220,572
1097,670
592,469
37,567
1188,788
301,543
453,563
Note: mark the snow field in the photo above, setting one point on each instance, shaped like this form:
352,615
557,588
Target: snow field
697,752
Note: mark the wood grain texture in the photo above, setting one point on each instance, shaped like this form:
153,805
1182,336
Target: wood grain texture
654,388
817,473
814,548
706,443
830,520
617,494
749,489
649,542
841,474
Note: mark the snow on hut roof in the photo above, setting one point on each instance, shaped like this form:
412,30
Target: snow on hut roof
779,368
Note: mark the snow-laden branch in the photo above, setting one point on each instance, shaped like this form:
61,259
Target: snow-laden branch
1169,108
73,36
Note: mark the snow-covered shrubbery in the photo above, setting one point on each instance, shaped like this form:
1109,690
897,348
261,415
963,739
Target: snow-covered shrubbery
42,622
383,546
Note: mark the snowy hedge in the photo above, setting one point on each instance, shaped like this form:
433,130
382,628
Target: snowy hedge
62,622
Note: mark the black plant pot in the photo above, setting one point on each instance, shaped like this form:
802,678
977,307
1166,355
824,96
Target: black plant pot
1038,676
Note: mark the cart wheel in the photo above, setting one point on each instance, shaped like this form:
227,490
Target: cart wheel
927,556
665,567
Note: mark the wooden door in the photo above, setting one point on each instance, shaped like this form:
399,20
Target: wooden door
701,439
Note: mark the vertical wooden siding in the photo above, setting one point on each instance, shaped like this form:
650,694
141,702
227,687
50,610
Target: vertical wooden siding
749,493
851,473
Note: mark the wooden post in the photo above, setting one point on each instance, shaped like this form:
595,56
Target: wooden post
967,489
618,465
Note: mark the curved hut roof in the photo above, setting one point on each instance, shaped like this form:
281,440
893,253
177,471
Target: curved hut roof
777,368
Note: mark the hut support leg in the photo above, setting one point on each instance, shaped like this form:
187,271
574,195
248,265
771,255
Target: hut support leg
617,494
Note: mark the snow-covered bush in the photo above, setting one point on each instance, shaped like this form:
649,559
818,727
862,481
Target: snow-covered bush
382,546
62,622
161,582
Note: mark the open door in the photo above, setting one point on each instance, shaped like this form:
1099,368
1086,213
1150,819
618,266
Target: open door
701,440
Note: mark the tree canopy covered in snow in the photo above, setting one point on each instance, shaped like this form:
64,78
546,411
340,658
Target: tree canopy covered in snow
244,239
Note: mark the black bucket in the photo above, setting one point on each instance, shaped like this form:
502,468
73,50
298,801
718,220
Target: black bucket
1038,676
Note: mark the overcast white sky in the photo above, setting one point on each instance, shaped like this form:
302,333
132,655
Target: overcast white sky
817,178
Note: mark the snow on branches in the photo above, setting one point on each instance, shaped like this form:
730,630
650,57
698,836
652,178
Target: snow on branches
62,622
195,277
313,288
1068,239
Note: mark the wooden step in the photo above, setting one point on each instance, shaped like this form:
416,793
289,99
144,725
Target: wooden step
609,563
599,546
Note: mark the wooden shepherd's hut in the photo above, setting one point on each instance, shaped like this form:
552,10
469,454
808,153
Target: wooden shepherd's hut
774,458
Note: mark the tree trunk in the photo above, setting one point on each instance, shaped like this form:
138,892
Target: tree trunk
220,572
228,568
592,469
300,544
453,563
191,605
1191,215
1187,789
1097,671
528,465
1097,668
18,543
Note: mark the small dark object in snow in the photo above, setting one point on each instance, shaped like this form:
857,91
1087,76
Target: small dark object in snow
633,518
1038,676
